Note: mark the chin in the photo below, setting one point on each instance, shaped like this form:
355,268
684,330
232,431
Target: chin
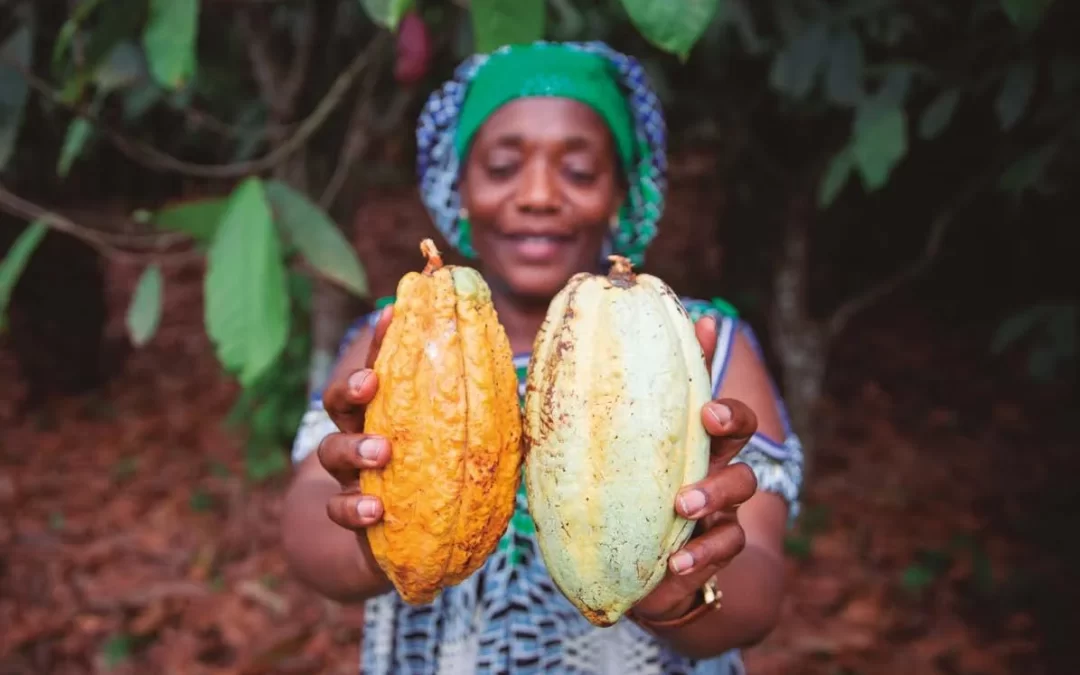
538,285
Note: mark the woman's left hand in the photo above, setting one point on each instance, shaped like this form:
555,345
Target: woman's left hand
712,502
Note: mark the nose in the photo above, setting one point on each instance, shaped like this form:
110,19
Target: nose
538,192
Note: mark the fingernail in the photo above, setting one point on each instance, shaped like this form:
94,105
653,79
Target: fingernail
720,412
366,507
692,502
682,561
357,380
370,448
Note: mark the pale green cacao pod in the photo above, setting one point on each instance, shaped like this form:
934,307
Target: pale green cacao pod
613,429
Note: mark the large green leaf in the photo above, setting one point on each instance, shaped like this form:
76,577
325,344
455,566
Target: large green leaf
502,22
16,51
13,264
387,13
1016,92
170,37
246,295
317,237
879,142
673,25
938,114
198,219
144,312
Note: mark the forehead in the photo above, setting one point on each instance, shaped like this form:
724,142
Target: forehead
544,120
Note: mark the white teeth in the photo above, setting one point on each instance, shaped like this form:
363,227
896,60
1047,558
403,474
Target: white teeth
539,239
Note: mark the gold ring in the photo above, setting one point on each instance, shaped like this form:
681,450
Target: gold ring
711,593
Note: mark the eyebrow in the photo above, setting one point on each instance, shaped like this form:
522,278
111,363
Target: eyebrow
512,140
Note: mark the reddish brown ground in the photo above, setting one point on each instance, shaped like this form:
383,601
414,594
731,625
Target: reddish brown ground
129,538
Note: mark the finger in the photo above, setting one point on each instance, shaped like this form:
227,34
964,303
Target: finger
715,548
346,396
678,586
381,327
354,510
345,455
705,328
722,490
731,423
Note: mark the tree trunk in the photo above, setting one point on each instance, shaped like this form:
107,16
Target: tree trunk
801,343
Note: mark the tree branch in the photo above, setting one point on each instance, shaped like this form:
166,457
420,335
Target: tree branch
362,126
294,78
110,245
153,158
938,227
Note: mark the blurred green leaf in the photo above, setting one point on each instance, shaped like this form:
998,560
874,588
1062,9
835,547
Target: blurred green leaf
738,14
673,25
917,577
1028,171
501,22
247,301
13,264
896,87
15,53
1016,327
1064,74
117,21
843,79
200,501
938,114
387,13
144,312
141,98
79,133
798,546
879,143
835,178
198,219
1016,91
1025,14
123,67
795,67
79,14
320,241
170,38
117,649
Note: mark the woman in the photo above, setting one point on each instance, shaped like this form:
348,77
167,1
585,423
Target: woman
537,161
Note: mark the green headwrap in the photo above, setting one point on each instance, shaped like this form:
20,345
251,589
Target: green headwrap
546,70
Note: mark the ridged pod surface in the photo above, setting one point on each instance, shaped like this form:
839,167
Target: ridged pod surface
447,401
613,431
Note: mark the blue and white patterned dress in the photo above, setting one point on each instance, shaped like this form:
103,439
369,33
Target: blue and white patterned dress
509,617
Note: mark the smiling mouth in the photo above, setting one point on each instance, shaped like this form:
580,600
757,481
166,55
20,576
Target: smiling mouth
540,238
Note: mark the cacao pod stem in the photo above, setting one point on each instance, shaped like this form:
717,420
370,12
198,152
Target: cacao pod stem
434,259
622,271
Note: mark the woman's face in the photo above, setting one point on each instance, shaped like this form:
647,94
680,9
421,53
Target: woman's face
540,185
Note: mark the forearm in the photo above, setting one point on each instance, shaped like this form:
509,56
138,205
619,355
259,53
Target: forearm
752,587
328,558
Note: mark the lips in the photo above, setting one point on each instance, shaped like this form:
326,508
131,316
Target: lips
535,247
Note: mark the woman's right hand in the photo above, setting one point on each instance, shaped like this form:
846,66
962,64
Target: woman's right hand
348,452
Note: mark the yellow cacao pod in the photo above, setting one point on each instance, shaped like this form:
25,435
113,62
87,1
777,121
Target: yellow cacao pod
613,430
448,403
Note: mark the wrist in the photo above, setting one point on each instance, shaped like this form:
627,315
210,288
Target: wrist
681,608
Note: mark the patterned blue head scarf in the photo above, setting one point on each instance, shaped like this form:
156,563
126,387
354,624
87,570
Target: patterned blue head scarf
439,164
